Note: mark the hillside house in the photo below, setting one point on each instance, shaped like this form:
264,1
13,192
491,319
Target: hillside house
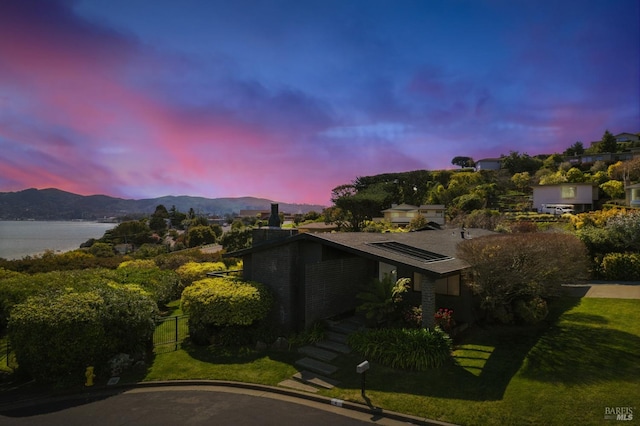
581,195
489,164
317,275
403,214
632,195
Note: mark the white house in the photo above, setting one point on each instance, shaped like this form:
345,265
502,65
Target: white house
581,195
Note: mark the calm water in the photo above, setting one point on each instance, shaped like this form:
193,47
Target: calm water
28,238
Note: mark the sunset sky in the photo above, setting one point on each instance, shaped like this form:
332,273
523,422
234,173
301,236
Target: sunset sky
286,99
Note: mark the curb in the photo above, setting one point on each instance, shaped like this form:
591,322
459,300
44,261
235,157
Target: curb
109,390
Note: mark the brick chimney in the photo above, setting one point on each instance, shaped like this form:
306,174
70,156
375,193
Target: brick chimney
274,219
273,231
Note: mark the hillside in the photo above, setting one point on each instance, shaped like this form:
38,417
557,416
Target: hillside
54,204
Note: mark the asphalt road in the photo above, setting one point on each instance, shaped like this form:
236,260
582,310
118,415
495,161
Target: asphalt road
186,406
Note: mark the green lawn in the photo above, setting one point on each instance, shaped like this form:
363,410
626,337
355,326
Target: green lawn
566,373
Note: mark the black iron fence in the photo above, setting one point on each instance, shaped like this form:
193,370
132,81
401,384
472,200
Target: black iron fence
170,332
7,356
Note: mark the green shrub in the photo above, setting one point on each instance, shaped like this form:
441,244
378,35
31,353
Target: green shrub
213,303
129,317
621,266
410,349
56,338
58,334
381,302
193,271
164,285
531,311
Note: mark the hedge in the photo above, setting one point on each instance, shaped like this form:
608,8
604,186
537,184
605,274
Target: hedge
621,266
194,271
56,336
162,285
215,303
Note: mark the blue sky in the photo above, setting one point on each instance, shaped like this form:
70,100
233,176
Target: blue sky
288,99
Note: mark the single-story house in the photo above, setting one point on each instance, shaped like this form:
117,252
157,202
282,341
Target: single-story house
627,137
403,214
489,164
317,275
581,195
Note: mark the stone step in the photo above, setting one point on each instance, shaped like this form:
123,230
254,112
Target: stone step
336,337
333,346
295,384
344,327
317,353
317,366
315,379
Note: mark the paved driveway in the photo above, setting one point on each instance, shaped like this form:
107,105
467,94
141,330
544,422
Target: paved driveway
628,290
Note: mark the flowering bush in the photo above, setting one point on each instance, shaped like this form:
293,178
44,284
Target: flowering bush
413,317
444,319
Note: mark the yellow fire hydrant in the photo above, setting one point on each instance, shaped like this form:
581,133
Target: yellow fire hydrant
90,376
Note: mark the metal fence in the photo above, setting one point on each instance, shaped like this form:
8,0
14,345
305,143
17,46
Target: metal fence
7,356
170,332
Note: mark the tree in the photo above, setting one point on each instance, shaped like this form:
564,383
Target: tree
613,188
575,175
131,232
608,143
532,268
358,206
158,222
176,217
517,163
575,149
463,162
200,235
522,181
552,162
553,178
236,239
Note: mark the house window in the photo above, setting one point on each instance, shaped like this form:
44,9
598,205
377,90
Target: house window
569,192
448,285
417,281
386,269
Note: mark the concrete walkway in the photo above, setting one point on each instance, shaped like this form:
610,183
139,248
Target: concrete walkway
604,289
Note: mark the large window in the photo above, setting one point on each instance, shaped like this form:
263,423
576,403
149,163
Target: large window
569,192
449,285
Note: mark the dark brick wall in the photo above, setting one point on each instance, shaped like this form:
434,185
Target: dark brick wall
276,268
331,286
261,235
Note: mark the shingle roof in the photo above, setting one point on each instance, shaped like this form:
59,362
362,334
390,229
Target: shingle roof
367,244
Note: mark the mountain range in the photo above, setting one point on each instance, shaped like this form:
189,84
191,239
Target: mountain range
55,204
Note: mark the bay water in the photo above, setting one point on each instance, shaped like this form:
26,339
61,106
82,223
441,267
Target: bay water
29,238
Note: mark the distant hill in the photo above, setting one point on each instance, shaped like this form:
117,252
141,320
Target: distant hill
54,204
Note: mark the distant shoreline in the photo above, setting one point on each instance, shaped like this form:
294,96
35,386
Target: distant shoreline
21,238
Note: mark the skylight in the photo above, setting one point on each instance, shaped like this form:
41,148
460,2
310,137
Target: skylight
410,251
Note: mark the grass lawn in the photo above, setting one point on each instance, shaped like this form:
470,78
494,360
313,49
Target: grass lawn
586,359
